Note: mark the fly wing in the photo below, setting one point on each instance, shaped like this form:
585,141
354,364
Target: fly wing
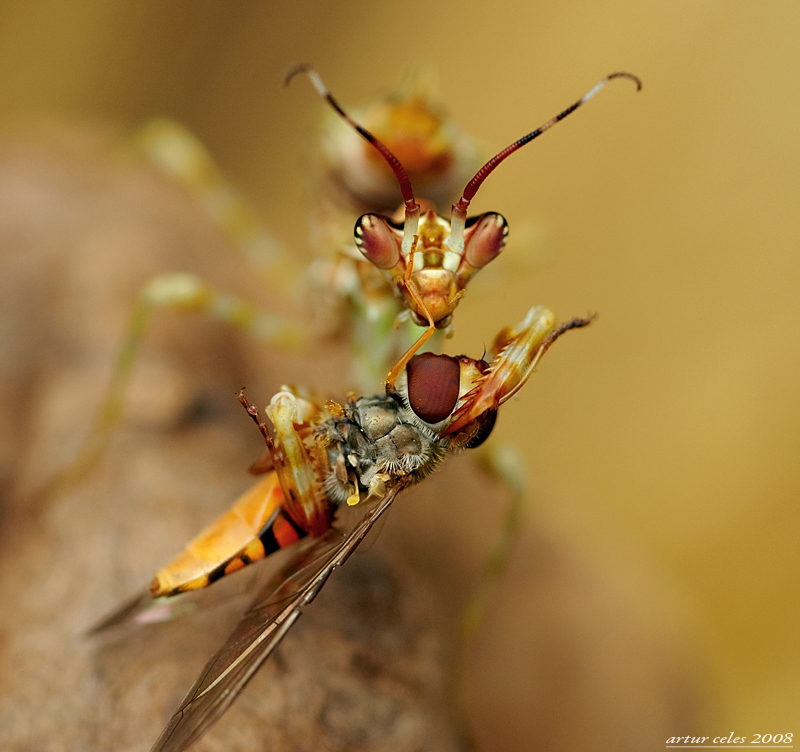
277,607
145,609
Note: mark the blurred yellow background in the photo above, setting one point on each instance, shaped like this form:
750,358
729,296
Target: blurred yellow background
666,436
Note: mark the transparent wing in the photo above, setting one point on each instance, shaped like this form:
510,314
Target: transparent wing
145,609
261,629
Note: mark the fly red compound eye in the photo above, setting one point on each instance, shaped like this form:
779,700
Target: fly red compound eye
433,386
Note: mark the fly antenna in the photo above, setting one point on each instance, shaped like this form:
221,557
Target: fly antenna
410,203
459,214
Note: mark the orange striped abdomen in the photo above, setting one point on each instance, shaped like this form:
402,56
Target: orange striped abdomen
254,527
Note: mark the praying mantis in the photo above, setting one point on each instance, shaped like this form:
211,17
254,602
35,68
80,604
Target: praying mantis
410,269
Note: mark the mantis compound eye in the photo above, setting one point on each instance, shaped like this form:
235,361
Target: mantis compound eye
377,241
485,237
433,386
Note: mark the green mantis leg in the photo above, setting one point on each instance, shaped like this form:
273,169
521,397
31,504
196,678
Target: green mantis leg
504,463
179,154
181,292
372,315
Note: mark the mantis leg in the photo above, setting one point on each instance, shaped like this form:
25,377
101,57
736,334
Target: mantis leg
181,292
504,463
